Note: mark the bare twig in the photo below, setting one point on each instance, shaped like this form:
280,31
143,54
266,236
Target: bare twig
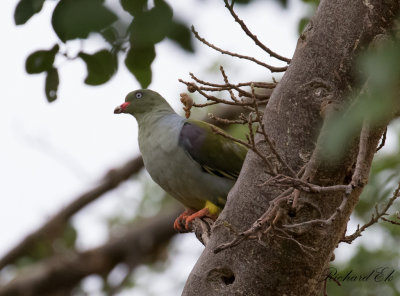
250,145
269,67
267,223
359,179
391,221
322,222
303,247
257,225
226,121
237,87
252,36
233,97
360,175
266,138
374,218
383,141
214,100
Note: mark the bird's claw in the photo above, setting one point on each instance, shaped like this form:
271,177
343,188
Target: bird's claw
180,224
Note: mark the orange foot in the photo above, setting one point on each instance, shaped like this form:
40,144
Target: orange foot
199,214
180,222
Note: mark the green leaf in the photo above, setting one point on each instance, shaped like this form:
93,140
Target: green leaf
380,66
51,85
101,66
283,3
138,61
41,60
242,1
26,9
316,2
302,24
69,236
77,18
152,26
110,34
134,7
182,35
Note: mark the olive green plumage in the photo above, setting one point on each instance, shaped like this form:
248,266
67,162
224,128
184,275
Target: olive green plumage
185,157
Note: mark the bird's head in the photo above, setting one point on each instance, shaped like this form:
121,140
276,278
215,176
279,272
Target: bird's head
142,101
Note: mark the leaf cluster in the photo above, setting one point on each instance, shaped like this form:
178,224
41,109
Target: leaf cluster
135,41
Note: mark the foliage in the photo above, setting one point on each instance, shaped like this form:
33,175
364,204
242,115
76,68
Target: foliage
76,19
379,73
380,67
383,179
313,4
50,245
135,41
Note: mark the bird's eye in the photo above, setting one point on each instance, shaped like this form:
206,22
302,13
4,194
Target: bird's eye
139,95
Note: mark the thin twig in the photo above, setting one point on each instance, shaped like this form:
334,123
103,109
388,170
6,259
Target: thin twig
252,36
215,87
390,221
249,146
226,121
269,67
374,218
216,100
257,225
383,141
287,181
270,218
267,139
267,85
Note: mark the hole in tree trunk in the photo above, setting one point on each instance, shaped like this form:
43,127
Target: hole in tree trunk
228,280
221,276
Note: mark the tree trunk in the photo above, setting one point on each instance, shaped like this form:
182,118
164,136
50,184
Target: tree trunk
321,72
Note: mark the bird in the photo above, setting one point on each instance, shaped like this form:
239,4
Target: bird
185,157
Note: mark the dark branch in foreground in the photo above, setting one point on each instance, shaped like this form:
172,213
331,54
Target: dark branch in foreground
142,240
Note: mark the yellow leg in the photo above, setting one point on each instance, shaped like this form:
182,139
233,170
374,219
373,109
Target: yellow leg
210,210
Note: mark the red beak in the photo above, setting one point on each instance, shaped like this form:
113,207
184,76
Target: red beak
121,109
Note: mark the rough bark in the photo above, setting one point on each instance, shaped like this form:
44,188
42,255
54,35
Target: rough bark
321,71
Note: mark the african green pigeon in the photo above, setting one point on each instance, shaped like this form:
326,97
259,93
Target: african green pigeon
185,157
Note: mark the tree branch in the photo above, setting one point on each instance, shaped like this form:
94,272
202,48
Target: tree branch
322,69
142,240
55,224
251,35
110,181
269,67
